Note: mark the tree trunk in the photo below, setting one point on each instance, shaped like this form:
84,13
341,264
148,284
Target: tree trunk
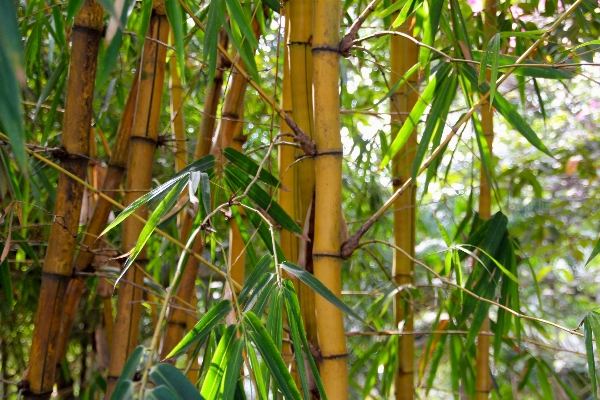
139,178
57,268
404,54
328,196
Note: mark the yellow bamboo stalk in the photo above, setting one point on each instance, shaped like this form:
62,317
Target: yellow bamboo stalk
176,318
57,268
139,176
482,369
85,256
177,116
301,69
403,55
328,196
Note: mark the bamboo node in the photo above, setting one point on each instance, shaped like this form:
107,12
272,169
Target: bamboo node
326,49
334,356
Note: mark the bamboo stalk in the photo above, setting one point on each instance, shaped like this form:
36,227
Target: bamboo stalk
176,319
83,260
404,55
177,115
328,196
57,268
301,69
139,176
483,382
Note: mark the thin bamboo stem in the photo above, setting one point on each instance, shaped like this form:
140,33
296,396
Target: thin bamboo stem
144,138
404,55
57,267
483,381
328,196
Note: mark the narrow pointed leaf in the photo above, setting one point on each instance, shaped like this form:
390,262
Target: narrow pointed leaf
271,357
257,273
205,192
169,376
543,71
124,386
319,288
594,252
232,372
174,16
212,382
202,328
249,166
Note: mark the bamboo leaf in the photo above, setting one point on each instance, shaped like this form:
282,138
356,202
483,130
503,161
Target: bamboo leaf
493,53
202,328
124,386
215,18
11,70
145,14
273,5
232,372
258,376
407,10
259,270
205,192
161,393
594,252
435,120
544,384
392,9
431,23
174,16
397,85
249,166
6,284
319,288
218,364
165,205
238,17
589,350
508,112
170,377
261,198
55,78
415,115
292,306
271,356
590,43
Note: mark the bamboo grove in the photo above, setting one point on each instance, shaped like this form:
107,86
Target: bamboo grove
228,199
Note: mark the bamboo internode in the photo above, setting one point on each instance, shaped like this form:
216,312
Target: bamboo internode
404,54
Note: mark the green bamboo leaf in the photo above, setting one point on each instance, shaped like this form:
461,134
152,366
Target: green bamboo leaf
57,18
508,112
594,252
415,115
397,85
257,303
589,350
205,192
261,198
319,288
257,273
55,78
273,5
432,23
174,16
170,377
435,120
443,231
407,10
165,206
392,9
202,328
11,69
232,371
215,18
218,364
142,31
264,232
249,166
244,48
547,391
534,34
124,386
271,356
24,245
294,316
161,393
493,54
590,43
261,385
275,318
543,71
238,17
6,284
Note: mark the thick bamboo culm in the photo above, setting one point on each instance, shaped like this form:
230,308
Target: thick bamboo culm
404,55
177,116
177,317
328,196
139,177
57,268
301,69
114,175
483,383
